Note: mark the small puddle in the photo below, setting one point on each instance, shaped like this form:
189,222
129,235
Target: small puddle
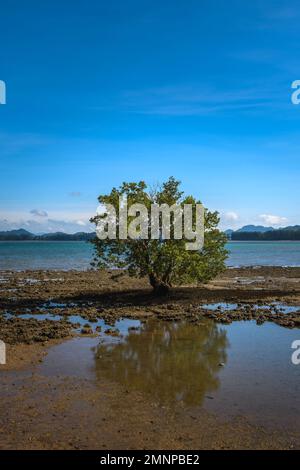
32,281
51,304
76,357
121,326
274,307
220,306
248,281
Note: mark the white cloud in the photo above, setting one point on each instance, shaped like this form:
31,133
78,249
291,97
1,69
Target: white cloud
230,216
39,213
270,219
80,222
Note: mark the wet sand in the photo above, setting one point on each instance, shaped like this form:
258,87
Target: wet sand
39,410
65,413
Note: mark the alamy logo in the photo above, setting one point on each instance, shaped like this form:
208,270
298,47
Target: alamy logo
296,354
2,92
295,98
162,222
2,353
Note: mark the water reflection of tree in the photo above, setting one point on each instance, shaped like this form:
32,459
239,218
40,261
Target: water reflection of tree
171,361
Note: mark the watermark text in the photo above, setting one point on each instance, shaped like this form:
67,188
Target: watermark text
296,354
2,353
295,98
161,222
2,92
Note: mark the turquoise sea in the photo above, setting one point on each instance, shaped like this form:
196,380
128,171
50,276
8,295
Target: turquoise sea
78,255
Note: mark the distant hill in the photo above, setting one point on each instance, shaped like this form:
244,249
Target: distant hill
286,233
249,229
249,232
20,234
23,235
293,228
61,236
255,228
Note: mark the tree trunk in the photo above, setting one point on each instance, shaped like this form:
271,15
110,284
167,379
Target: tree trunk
159,287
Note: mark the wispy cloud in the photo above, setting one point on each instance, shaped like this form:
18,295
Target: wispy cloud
39,213
12,143
199,99
275,16
283,13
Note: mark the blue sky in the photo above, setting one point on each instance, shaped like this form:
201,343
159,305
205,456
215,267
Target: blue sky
104,92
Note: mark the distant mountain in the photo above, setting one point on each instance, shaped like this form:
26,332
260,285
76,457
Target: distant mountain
20,234
229,232
255,228
61,236
23,235
280,234
293,228
248,232
248,229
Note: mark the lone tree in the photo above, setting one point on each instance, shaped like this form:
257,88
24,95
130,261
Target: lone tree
166,262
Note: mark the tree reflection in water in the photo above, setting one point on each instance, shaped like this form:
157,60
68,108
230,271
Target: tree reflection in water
171,361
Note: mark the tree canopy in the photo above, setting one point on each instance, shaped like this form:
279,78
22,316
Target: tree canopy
166,262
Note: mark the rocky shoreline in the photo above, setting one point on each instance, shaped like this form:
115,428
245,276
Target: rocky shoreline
260,294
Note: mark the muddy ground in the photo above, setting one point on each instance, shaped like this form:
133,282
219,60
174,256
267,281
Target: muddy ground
112,294
38,412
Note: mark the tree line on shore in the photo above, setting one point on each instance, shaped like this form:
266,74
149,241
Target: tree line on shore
284,234
24,235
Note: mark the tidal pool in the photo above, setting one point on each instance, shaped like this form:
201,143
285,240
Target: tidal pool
238,369
272,307
121,325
